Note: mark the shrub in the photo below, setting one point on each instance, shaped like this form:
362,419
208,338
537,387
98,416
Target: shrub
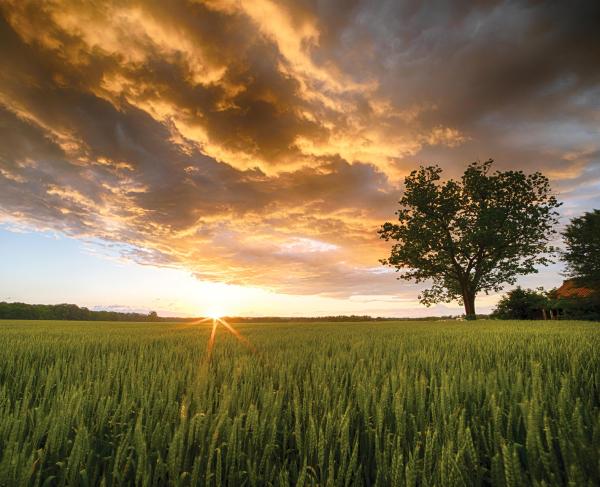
522,304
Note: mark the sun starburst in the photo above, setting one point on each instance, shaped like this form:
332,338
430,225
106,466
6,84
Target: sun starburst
217,320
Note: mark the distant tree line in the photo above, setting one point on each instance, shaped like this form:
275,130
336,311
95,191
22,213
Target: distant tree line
24,311
329,319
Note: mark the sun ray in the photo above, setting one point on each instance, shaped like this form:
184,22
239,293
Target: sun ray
211,340
195,322
243,340
216,321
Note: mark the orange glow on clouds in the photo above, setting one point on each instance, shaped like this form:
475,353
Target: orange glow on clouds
256,146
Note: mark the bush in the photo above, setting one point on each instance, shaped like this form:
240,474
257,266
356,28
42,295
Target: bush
521,304
579,308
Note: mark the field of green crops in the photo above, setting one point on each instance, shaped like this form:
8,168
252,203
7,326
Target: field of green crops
380,404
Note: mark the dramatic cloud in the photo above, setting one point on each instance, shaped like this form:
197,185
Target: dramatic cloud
262,143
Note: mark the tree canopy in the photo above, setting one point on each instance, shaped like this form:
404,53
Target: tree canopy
582,254
472,235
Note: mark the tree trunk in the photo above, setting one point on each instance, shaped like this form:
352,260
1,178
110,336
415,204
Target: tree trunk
469,300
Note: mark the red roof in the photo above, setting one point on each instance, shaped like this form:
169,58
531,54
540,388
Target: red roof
571,290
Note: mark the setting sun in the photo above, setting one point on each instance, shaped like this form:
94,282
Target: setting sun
214,314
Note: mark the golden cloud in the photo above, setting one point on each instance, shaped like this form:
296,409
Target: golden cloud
257,143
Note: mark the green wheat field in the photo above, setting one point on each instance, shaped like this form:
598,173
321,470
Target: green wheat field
328,404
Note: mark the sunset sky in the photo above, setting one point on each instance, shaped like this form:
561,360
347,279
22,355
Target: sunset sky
239,156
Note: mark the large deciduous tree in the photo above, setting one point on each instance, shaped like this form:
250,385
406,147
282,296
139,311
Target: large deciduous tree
582,253
472,235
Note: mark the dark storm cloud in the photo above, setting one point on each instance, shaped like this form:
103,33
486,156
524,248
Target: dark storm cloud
261,143
471,59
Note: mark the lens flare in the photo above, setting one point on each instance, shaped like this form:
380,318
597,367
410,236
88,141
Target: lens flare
215,314
211,340
243,340
216,321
